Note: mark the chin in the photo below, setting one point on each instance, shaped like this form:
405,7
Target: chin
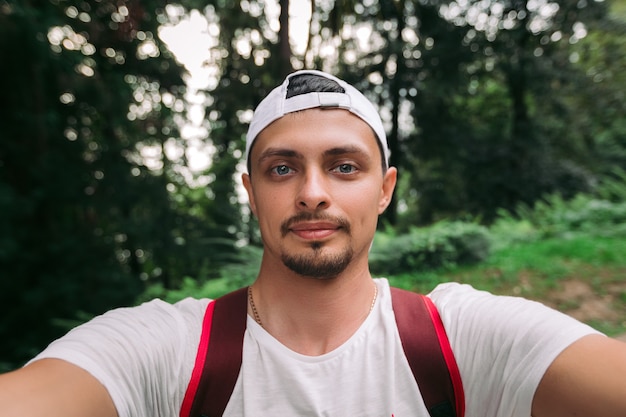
317,264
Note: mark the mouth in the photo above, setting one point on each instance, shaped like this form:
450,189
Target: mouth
314,226
314,230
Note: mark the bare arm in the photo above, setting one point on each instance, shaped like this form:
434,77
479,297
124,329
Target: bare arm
53,388
587,379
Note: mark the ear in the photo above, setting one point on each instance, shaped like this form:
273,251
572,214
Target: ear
247,184
389,184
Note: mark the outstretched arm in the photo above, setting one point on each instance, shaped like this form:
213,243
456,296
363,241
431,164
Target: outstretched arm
53,388
586,379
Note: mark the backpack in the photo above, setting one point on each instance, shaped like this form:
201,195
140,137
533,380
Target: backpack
221,343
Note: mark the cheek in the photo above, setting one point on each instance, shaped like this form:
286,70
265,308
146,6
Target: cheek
269,206
366,196
264,197
362,204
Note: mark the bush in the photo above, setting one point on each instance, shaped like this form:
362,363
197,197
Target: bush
602,213
245,271
555,216
613,186
442,245
509,230
232,276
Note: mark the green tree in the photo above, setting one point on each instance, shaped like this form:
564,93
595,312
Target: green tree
491,137
598,104
84,87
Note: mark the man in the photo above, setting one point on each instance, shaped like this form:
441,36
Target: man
321,339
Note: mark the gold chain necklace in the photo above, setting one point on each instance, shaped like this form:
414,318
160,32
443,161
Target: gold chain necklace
257,318
255,313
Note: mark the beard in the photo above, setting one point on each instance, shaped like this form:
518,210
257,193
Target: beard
316,263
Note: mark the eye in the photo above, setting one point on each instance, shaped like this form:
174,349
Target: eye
281,170
345,169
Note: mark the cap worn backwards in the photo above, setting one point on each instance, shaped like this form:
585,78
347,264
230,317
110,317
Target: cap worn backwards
276,104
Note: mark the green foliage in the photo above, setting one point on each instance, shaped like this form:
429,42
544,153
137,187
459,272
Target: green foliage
581,214
238,273
509,230
550,240
85,222
532,268
189,287
556,216
602,213
442,245
245,269
613,186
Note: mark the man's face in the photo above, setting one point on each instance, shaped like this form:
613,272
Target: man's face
317,188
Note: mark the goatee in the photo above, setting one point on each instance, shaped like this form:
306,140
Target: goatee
317,265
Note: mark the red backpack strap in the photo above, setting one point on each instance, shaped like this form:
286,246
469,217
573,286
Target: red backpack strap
428,351
219,356
225,323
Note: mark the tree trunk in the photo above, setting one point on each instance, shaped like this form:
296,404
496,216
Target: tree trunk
284,47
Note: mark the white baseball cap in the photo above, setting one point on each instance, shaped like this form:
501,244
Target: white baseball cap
276,104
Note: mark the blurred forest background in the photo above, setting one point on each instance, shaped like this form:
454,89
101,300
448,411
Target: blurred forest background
506,119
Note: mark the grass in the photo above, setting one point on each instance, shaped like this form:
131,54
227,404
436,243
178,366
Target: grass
539,270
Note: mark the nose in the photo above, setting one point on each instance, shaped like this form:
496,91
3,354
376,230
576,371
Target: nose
313,193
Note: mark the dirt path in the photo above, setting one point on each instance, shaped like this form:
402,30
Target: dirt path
606,304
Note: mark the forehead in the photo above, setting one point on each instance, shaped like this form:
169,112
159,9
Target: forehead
316,130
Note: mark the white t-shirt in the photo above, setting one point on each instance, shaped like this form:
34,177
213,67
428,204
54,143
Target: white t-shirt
144,356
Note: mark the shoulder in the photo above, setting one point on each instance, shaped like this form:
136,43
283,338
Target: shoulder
451,293
152,346
156,320
503,344
471,313
150,318
131,331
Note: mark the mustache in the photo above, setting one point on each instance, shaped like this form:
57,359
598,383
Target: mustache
309,217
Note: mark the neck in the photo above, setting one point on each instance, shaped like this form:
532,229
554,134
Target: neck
312,316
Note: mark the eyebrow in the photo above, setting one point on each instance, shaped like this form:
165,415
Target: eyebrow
282,152
345,150
291,153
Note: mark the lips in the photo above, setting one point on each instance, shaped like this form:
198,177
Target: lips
314,225
314,230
